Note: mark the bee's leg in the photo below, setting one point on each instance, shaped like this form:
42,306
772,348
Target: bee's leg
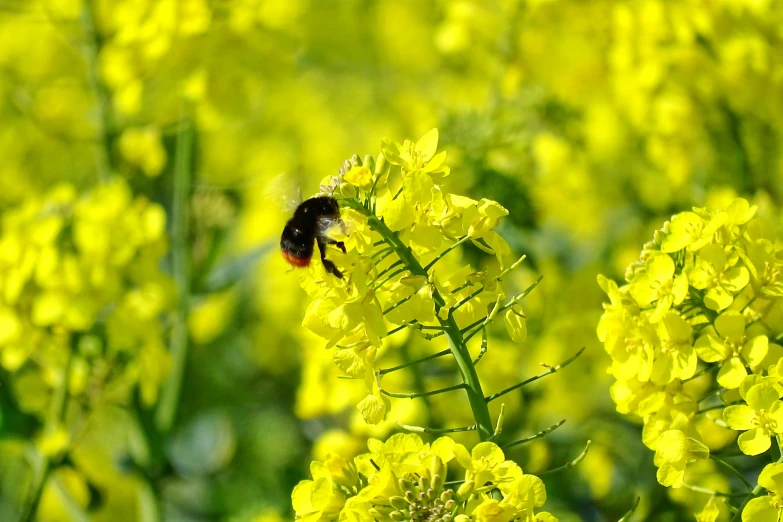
330,241
328,265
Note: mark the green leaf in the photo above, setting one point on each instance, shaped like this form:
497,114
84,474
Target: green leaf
233,270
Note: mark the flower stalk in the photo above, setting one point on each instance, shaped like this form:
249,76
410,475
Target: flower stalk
457,345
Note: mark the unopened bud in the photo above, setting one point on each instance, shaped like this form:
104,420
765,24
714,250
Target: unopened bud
465,490
399,503
382,167
369,162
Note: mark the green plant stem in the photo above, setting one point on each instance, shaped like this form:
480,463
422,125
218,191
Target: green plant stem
570,464
711,492
102,112
417,361
415,395
57,411
424,429
459,349
756,490
733,470
541,375
542,433
445,252
167,409
628,515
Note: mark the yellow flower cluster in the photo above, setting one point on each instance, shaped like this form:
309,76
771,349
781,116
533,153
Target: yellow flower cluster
694,329
406,479
81,287
398,222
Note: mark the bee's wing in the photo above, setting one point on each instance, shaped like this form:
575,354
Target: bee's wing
285,191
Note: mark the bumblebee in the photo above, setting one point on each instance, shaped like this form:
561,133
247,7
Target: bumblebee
311,220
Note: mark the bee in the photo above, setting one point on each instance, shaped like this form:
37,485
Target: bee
312,218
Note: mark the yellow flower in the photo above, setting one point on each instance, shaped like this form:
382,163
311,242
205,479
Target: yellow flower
760,419
317,500
658,283
712,272
688,229
727,343
417,156
485,463
672,454
767,508
675,356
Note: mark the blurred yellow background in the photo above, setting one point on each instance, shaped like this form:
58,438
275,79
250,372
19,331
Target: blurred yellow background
592,122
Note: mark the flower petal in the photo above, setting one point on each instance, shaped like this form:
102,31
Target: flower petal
731,373
754,442
730,325
739,417
762,396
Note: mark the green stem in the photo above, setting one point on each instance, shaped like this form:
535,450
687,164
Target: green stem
424,429
415,395
756,491
541,375
58,409
711,492
542,433
167,409
459,349
570,464
733,470
417,361
443,254
102,114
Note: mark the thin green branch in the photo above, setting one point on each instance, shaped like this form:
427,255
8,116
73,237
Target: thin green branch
550,370
488,319
579,458
627,516
712,492
484,347
389,278
514,301
445,252
401,366
388,269
709,368
398,303
169,400
102,112
540,434
717,407
54,421
499,424
459,350
756,490
435,431
411,395
733,470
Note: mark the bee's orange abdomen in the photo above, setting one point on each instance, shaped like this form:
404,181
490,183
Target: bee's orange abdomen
296,261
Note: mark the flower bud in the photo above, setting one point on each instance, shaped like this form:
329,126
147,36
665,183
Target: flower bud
398,503
347,190
437,472
369,162
382,167
465,490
